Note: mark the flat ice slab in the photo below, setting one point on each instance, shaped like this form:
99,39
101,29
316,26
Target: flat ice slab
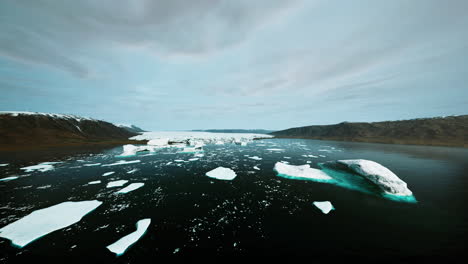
379,175
118,183
108,173
4,164
42,167
324,206
121,162
222,173
255,158
125,242
131,187
300,171
94,182
44,221
9,178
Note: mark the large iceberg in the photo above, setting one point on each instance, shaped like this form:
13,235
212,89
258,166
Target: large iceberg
300,172
44,221
379,175
121,245
222,173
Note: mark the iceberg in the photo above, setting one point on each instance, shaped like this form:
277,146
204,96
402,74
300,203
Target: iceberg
4,164
9,178
118,183
158,142
94,182
44,221
324,206
379,175
131,187
108,173
300,172
42,167
121,162
132,150
125,242
222,173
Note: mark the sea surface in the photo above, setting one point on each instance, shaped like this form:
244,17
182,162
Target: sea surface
256,213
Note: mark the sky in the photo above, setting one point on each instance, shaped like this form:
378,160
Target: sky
200,64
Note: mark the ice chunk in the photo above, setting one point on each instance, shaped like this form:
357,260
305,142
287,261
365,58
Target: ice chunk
125,242
92,164
256,168
300,172
42,167
255,158
379,175
4,164
9,178
178,160
94,182
118,183
132,171
159,142
193,159
222,173
275,149
44,221
121,162
324,206
132,150
108,173
131,187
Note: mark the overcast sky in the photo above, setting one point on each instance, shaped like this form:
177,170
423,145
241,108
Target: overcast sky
273,64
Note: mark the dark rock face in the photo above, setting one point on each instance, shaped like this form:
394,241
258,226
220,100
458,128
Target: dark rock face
50,130
441,131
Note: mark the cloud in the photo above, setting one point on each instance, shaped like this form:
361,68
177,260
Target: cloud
64,33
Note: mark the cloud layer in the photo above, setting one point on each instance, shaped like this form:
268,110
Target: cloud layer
179,64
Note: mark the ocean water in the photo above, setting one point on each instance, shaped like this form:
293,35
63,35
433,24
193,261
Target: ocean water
257,213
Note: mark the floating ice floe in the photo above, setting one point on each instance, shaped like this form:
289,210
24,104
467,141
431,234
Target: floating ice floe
9,178
300,172
255,158
4,164
132,150
132,171
324,206
108,173
94,182
44,221
92,164
42,167
159,142
222,173
275,149
179,160
256,168
379,175
118,183
121,162
193,159
125,242
131,187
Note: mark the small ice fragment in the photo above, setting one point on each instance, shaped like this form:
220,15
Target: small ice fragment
131,187
44,221
324,206
92,164
169,163
42,167
275,149
176,251
4,164
255,158
193,159
178,160
256,168
94,182
132,171
118,183
125,242
121,162
222,173
9,178
287,157
108,173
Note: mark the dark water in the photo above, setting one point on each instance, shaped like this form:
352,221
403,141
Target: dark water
258,213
